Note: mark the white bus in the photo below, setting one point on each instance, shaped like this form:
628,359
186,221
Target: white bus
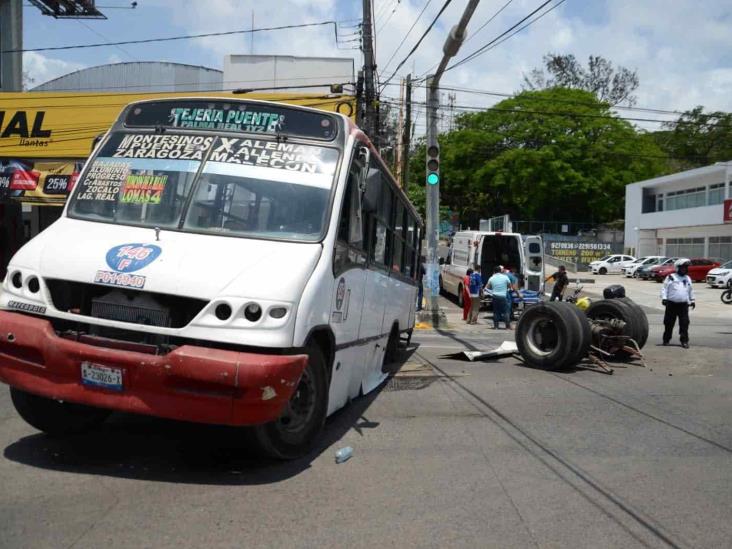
219,261
523,254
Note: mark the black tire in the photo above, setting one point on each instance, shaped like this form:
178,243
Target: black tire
641,321
602,271
607,309
583,340
295,432
391,355
461,301
726,297
56,418
442,288
546,334
635,274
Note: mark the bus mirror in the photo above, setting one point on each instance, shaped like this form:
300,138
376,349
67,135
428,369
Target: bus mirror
364,157
372,190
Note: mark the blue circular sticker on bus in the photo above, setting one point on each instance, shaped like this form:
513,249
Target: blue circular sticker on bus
127,258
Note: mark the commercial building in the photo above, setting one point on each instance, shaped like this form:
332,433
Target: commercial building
685,214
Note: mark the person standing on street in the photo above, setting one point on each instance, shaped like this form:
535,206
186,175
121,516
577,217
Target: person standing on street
466,295
420,288
561,281
512,288
476,288
499,284
677,295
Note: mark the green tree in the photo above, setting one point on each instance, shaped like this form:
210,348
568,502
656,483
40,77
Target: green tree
608,83
558,154
697,139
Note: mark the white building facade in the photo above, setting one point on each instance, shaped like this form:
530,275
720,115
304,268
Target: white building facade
680,215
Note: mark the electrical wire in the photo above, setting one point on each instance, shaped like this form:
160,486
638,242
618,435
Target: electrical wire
389,18
496,42
100,35
491,18
426,32
407,35
181,37
545,99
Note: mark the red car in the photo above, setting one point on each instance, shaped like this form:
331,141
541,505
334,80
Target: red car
697,270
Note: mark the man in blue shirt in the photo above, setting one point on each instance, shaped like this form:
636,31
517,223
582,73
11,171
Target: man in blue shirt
499,283
476,287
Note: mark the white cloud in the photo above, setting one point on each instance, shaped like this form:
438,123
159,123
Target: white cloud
42,69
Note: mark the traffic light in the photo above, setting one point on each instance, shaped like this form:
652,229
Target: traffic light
433,165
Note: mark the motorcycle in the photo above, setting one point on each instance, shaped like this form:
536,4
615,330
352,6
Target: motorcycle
583,302
726,296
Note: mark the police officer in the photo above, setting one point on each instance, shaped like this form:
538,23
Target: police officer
677,295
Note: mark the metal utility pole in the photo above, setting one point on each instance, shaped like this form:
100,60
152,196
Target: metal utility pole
368,71
400,142
406,133
11,38
451,47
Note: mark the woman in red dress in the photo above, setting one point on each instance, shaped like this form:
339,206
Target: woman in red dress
466,294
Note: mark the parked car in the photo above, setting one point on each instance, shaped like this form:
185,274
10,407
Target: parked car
697,270
646,271
721,276
632,269
611,264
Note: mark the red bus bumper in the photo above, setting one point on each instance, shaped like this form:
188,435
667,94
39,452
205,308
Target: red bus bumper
191,383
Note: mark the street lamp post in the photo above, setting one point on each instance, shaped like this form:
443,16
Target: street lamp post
432,207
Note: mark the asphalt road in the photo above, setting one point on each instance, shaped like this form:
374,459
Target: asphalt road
446,454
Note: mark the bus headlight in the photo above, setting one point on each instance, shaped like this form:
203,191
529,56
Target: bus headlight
277,312
253,312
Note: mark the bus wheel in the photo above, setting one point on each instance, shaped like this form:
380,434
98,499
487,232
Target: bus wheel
390,365
461,301
56,418
294,433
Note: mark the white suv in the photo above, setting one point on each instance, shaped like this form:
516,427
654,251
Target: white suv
611,264
721,276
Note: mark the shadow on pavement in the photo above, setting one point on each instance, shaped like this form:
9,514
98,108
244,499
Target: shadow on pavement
153,449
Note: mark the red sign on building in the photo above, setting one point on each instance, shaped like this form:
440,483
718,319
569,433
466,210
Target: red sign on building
728,210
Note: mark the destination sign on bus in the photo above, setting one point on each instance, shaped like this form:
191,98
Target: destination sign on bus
238,116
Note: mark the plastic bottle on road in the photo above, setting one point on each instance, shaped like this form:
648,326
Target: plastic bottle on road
343,454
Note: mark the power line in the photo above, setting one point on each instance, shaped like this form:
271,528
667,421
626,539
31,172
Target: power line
181,37
43,96
407,35
389,18
100,35
491,18
472,108
495,42
426,32
546,99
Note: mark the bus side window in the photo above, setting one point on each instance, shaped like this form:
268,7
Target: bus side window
349,228
350,243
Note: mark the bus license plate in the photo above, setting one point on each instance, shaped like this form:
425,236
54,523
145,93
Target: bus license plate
101,376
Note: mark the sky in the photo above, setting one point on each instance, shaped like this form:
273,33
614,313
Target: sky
681,51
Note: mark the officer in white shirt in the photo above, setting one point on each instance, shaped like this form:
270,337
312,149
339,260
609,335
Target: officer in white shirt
677,295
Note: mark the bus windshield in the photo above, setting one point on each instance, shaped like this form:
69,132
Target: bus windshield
262,188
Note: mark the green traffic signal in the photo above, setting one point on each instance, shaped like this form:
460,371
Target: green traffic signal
433,179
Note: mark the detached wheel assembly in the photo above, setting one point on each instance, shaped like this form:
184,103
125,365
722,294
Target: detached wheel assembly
558,335
553,335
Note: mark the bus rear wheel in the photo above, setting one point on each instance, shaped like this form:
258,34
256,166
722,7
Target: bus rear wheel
461,299
56,418
294,433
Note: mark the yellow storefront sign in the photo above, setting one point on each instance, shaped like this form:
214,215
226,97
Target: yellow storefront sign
63,124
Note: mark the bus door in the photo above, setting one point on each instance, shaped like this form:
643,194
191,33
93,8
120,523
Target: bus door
347,300
377,203
534,263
